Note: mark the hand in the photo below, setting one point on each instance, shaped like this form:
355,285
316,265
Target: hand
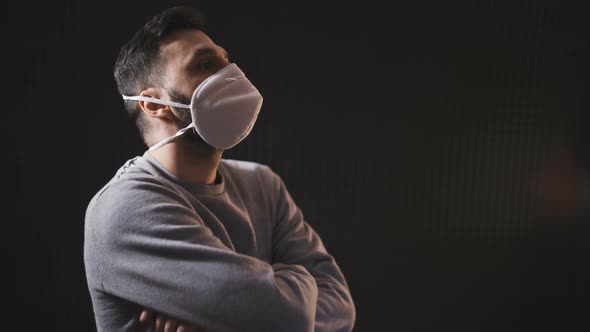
166,324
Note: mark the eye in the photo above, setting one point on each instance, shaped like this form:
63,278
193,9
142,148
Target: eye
206,63
211,63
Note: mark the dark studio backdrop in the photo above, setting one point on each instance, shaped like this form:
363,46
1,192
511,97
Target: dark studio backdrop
437,147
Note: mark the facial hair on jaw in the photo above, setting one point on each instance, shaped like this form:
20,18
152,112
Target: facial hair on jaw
184,119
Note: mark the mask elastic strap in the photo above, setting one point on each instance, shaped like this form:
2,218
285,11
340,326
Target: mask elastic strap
156,101
171,138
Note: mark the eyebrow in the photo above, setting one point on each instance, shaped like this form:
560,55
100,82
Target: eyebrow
199,53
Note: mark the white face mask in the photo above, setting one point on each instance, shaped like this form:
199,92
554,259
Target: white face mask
224,108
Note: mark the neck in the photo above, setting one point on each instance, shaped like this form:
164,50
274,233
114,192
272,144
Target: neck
196,164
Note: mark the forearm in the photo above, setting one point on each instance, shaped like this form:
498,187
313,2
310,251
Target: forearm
335,307
336,311
227,296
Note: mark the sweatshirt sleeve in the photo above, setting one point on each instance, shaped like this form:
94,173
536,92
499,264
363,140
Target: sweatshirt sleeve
151,250
296,242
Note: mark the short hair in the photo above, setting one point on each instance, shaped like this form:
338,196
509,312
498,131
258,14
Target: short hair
139,64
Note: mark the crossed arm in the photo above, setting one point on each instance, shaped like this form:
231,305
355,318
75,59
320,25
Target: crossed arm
178,268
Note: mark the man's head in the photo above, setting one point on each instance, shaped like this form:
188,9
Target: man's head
166,59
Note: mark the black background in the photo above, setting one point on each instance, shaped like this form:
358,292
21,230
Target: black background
434,146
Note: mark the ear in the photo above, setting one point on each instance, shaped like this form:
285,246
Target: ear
152,109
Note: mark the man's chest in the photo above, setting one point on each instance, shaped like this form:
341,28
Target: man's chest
244,225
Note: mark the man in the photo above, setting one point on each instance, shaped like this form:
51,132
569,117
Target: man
179,233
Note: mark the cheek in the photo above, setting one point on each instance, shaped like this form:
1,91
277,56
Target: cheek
184,116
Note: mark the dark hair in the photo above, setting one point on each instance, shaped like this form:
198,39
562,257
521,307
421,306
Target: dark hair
140,64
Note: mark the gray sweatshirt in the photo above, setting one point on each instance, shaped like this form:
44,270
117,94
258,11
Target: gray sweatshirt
233,256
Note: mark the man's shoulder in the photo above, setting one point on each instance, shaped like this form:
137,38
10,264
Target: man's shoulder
130,189
245,166
249,169
250,174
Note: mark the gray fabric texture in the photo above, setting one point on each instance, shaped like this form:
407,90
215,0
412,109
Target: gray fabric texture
236,255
